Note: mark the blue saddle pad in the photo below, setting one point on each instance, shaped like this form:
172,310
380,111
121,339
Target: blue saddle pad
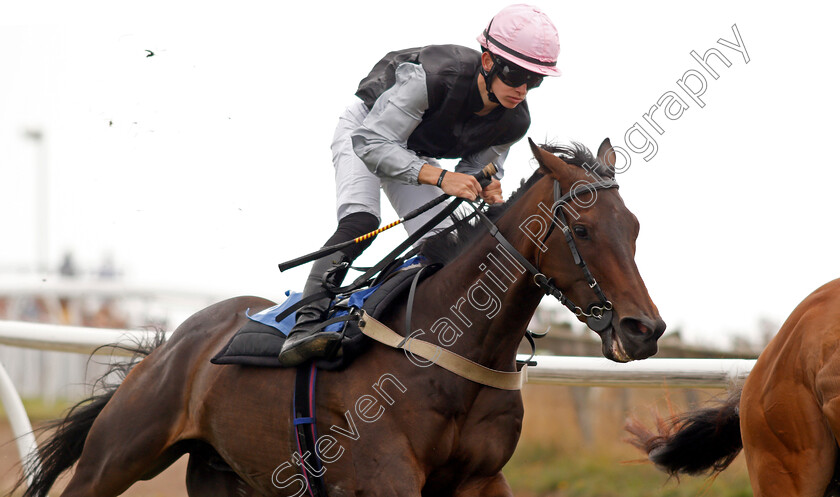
268,316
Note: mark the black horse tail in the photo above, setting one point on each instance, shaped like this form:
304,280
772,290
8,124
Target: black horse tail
702,441
63,447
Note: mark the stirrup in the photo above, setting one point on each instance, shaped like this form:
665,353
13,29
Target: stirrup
314,342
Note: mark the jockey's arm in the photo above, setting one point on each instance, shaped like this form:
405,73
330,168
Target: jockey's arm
381,141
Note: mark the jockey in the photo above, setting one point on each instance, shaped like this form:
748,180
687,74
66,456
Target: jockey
418,105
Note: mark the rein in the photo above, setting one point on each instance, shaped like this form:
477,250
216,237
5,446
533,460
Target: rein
599,317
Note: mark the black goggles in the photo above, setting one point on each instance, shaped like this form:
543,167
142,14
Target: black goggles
515,76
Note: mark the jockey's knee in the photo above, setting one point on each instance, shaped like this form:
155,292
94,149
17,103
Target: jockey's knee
352,226
362,222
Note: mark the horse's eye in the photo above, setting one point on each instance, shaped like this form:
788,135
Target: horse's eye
580,232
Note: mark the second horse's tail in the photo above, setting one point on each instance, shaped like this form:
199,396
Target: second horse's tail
705,440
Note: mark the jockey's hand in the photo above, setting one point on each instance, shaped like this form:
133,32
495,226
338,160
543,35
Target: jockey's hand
455,184
461,185
492,193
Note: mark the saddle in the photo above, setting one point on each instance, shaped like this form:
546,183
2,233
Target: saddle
260,340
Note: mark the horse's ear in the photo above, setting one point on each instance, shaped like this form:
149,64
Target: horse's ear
549,163
606,154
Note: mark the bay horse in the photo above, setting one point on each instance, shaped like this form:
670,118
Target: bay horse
389,426
786,417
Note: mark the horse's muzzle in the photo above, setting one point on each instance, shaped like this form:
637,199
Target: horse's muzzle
638,336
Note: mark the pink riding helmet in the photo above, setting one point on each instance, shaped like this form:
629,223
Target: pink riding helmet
524,35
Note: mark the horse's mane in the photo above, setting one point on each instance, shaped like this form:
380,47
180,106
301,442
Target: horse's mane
447,245
578,155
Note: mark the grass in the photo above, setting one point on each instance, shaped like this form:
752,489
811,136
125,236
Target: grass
540,471
40,410
554,457
557,458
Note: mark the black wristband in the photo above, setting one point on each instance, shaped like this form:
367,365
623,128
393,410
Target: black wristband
440,178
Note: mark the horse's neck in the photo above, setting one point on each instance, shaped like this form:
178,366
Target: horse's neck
488,296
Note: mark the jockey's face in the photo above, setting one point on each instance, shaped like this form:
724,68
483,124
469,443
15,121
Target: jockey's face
509,96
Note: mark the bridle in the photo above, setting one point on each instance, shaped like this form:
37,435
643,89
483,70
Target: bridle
598,316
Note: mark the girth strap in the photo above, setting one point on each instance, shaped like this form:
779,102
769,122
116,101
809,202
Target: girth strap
303,427
461,366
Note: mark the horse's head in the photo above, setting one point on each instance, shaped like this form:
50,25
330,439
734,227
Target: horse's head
592,231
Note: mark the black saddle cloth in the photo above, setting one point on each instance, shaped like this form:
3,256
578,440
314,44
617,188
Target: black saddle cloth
258,344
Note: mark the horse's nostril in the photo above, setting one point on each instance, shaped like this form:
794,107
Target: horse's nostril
632,326
641,328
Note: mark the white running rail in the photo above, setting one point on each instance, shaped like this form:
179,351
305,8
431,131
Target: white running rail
51,337
554,370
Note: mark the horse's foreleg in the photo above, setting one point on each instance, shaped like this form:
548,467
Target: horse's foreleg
209,476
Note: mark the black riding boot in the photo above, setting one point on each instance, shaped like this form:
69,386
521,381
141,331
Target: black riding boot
306,341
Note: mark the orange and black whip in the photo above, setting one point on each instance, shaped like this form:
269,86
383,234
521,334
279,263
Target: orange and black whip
484,177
